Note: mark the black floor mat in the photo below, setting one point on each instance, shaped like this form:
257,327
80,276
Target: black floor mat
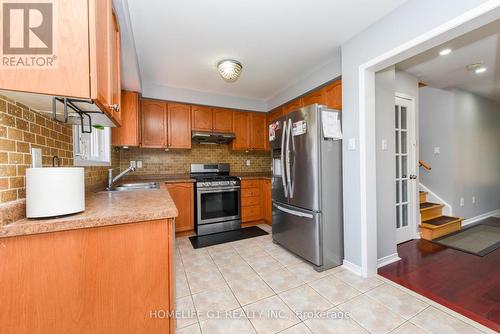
229,236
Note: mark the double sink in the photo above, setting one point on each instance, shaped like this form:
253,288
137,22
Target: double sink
135,186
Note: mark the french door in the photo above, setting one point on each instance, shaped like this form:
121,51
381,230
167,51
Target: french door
406,184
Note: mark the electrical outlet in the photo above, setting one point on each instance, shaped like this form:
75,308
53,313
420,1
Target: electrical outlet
248,162
473,199
462,201
139,163
437,150
133,163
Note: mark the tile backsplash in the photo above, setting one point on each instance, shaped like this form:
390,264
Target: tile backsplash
159,161
22,128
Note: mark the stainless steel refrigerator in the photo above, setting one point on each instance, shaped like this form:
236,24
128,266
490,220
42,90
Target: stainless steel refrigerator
307,187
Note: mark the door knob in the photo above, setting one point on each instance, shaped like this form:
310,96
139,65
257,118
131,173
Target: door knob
413,177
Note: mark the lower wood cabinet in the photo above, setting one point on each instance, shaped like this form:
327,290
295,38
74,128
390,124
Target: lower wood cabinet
183,196
256,200
110,279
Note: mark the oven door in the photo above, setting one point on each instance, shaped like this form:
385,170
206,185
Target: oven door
218,204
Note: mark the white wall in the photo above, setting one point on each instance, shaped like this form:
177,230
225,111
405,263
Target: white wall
466,128
412,19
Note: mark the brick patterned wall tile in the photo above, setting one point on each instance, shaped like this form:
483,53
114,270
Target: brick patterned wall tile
21,129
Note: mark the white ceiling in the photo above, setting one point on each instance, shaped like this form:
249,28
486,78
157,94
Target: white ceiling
445,72
178,43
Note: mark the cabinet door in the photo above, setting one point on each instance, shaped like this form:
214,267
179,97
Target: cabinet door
154,124
334,95
115,81
258,126
317,96
101,33
202,118
183,197
274,114
128,133
241,128
222,119
179,125
70,74
292,106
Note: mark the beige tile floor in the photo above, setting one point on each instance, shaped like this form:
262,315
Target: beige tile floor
256,286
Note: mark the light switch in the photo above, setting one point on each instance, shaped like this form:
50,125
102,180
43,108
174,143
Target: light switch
384,145
351,145
36,157
473,199
437,150
462,201
248,162
133,163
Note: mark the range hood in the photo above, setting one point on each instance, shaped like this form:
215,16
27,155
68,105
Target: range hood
202,137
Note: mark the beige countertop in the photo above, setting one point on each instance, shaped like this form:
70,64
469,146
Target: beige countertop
250,176
101,209
175,178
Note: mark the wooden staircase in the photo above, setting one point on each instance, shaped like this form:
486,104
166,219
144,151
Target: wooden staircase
433,224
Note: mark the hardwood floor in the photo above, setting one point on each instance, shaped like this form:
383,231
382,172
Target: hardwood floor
465,283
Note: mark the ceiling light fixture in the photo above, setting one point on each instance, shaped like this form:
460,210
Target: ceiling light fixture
480,70
444,52
229,69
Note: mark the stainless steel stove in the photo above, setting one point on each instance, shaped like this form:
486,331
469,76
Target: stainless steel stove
218,204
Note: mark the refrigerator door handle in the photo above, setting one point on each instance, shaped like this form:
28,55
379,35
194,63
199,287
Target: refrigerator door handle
288,177
283,159
294,212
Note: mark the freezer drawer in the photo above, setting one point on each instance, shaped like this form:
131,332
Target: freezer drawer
298,230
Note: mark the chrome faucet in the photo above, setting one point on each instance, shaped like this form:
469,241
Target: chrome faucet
112,180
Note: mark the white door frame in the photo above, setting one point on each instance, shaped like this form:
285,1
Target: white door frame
412,168
367,141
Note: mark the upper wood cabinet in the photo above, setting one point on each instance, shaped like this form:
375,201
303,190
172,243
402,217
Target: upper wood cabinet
179,125
274,114
183,196
128,133
241,128
222,119
250,131
258,126
202,118
165,125
317,96
86,62
292,106
333,93
115,81
153,124
212,119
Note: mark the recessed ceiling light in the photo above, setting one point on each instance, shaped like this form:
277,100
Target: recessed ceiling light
480,70
444,52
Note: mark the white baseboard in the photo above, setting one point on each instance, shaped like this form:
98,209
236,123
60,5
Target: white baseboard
352,267
480,217
383,261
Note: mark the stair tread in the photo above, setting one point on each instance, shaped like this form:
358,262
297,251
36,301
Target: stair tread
429,205
440,221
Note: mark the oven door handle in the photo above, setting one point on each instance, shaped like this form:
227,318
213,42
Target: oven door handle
219,190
